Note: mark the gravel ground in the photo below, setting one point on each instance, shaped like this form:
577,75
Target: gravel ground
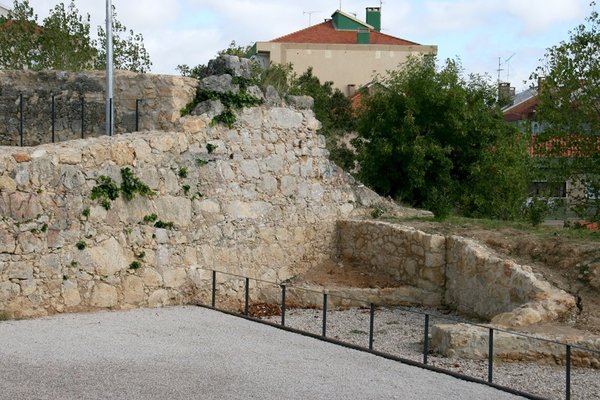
195,353
400,333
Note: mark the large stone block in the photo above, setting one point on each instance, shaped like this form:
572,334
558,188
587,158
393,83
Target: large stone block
104,296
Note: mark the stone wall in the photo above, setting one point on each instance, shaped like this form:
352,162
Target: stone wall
454,272
162,99
264,204
409,256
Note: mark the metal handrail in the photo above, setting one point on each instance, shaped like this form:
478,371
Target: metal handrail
284,286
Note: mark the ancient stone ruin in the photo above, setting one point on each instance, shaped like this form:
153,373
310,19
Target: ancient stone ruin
259,199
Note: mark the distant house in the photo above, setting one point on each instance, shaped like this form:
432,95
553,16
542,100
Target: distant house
3,11
521,111
343,50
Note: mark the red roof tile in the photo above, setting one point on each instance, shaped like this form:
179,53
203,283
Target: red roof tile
325,33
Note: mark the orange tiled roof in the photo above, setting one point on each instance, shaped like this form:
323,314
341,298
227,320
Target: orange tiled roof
325,33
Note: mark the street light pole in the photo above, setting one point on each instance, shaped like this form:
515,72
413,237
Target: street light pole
110,122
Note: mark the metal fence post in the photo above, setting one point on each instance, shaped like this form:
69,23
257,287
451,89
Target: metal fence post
137,115
426,340
491,356
371,325
568,367
247,297
283,305
21,119
213,301
324,331
82,117
53,118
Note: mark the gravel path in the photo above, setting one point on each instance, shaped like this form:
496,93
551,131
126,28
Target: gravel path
400,333
195,353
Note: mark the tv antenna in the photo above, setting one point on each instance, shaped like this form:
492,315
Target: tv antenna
507,64
310,13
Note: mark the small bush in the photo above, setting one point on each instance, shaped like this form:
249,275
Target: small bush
211,147
536,211
81,245
376,213
164,225
183,172
141,254
135,265
150,218
200,162
86,212
186,189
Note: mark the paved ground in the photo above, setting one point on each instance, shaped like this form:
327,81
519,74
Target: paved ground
194,353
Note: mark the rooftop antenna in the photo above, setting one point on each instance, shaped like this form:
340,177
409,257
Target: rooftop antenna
507,63
340,5
310,13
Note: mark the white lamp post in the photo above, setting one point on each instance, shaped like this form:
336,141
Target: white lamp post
110,122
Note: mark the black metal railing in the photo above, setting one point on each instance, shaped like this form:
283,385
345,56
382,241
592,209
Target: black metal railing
47,114
423,362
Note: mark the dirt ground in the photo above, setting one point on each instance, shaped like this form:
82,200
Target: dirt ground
564,261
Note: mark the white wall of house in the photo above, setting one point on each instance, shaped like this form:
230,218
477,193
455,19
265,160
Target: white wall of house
3,10
343,64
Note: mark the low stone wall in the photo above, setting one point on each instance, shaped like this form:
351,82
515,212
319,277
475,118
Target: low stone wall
501,290
162,97
264,203
412,257
453,271
468,341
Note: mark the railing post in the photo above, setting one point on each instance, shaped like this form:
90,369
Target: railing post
82,117
371,325
283,305
426,340
568,367
213,301
491,356
247,298
21,119
137,115
53,118
324,330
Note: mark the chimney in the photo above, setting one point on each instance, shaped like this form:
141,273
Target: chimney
374,17
504,91
351,90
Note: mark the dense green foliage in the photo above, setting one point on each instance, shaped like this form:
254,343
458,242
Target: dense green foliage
569,111
63,41
436,140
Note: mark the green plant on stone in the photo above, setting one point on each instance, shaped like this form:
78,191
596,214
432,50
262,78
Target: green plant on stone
150,218
200,162
141,254
81,245
86,212
376,213
105,191
211,147
186,189
183,172
44,228
164,225
135,265
197,195
132,185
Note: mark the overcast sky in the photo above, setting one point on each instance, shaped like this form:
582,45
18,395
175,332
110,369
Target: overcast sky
479,32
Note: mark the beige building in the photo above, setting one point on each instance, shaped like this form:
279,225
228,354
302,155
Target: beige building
3,11
343,49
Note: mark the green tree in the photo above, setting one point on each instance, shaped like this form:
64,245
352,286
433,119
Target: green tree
128,48
63,41
66,40
20,38
569,111
436,140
